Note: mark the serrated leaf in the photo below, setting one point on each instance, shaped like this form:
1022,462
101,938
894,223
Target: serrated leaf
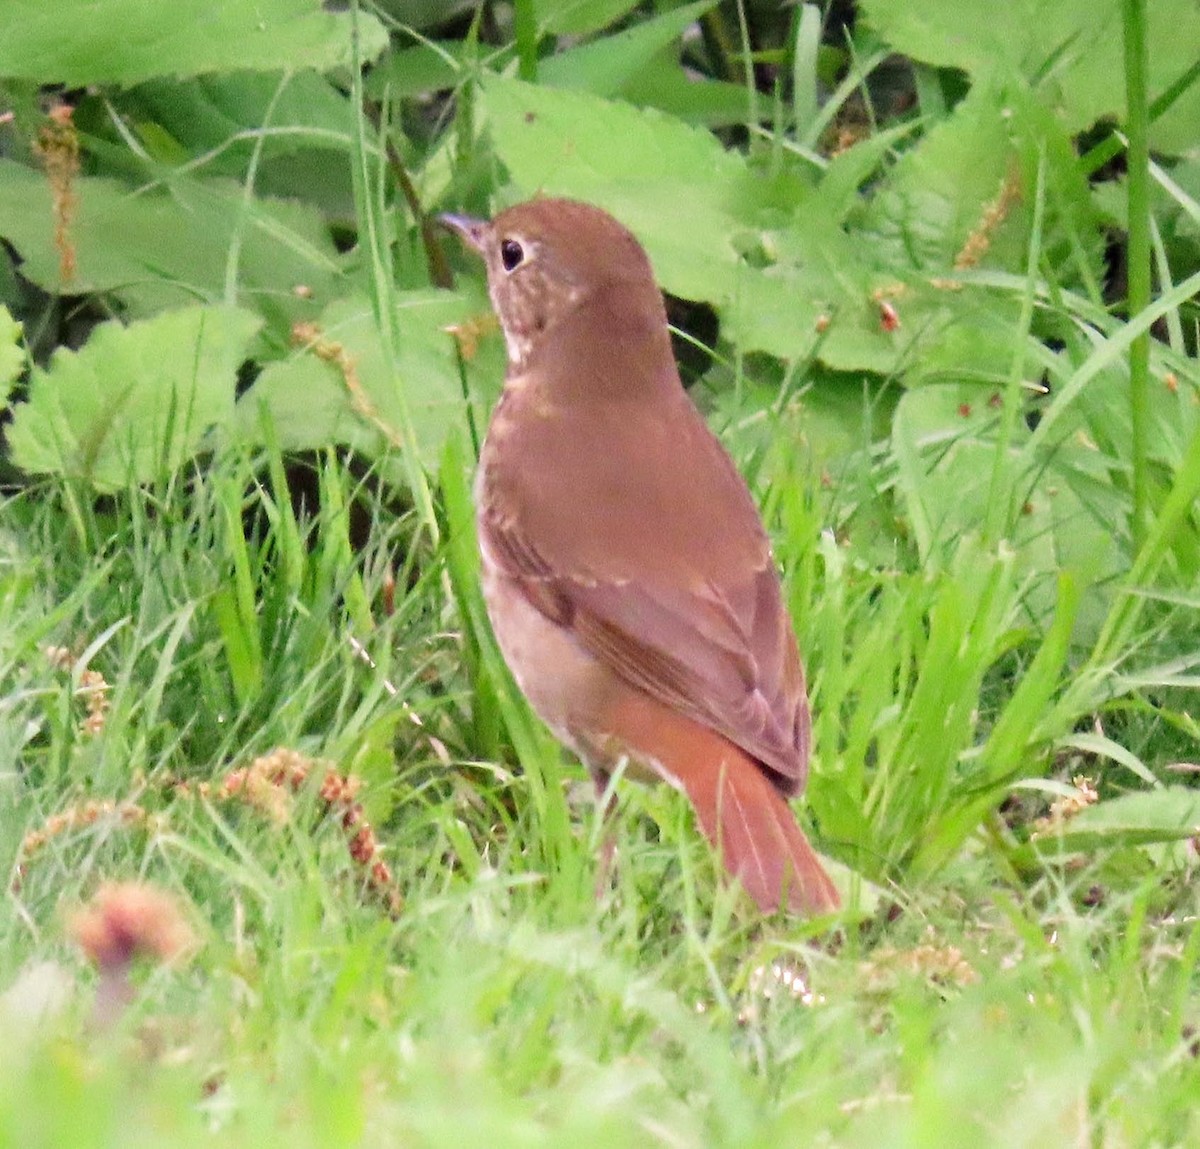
135,401
815,297
934,197
562,143
765,252
12,358
1069,51
770,251
311,405
78,42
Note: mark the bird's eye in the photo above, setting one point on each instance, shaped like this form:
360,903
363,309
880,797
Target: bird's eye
511,254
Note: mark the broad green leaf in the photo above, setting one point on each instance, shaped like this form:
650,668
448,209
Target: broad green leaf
1026,37
1162,815
944,442
298,125
579,17
850,169
135,401
935,196
814,297
1069,51
202,116
769,252
78,42
406,72
764,251
671,184
310,403
663,84
168,247
421,14
606,65
12,358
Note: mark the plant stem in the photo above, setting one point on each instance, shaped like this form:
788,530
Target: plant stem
752,116
1138,255
525,30
999,505
371,208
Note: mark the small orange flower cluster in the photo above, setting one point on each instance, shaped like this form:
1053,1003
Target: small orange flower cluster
939,964
267,783
58,146
980,240
312,338
994,214
92,686
468,333
1065,808
884,297
76,818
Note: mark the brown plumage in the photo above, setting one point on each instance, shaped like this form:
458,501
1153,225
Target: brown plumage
627,574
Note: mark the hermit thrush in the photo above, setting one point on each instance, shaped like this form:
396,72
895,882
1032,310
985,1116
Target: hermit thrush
627,574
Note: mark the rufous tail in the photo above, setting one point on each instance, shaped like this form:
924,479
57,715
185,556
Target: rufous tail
738,808
760,842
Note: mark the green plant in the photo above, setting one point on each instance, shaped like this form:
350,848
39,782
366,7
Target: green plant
934,270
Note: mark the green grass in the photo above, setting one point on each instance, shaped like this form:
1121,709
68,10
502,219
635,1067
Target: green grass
506,1004
994,594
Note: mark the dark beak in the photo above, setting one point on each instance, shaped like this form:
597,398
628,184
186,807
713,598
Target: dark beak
473,232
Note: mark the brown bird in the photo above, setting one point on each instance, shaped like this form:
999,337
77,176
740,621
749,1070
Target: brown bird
627,574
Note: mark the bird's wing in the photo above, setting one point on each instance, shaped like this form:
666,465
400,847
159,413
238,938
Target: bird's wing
687,613
722,655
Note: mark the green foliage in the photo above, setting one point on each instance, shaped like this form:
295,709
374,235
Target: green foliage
1134,819
609,66
560,143
172,246
950,263
136,402
244,381
426,369
1068,54
12,358
125,41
